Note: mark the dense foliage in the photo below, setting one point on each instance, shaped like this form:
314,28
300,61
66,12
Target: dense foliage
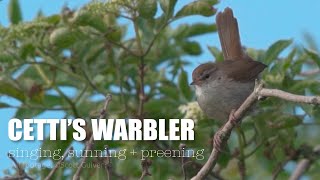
67,62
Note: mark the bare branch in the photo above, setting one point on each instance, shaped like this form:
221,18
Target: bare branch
89,143
289,97
59,163
302,166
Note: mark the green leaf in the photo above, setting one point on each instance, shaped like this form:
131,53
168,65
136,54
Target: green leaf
54,19
147,28
161,108
310,40
184,85
115,35
5,58
275,49
187,31
63,37
169,91
147,9
286,121
26,50
14,12
274,79
216,53
303,84
211,2
287,63
296,66
203,8
10,90
99,173
167,7
316,112
4,105
224,158
30,73
314,56
156,105
191,47
85,18
128,167
93,52
26,113
51,100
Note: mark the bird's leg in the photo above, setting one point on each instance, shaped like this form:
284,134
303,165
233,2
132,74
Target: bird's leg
232,118
217,139
220,135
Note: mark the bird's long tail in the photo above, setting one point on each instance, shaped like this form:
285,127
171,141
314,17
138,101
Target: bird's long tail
229,35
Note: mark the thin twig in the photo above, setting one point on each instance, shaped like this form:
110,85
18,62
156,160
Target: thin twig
254,150
241,159
304,165
141,93
146,163
119,14
182,147
128,50
89,143
108,164
21,171
155,37
65,155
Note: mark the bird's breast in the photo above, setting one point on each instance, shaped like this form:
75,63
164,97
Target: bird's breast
219,97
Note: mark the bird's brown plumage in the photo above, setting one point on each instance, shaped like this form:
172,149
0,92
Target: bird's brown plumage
229,35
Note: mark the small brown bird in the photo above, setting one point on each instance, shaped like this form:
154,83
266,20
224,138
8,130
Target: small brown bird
223,86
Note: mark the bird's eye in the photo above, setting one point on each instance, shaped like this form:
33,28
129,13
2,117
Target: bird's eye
206,76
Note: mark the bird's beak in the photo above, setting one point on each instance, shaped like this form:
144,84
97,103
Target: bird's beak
192,83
